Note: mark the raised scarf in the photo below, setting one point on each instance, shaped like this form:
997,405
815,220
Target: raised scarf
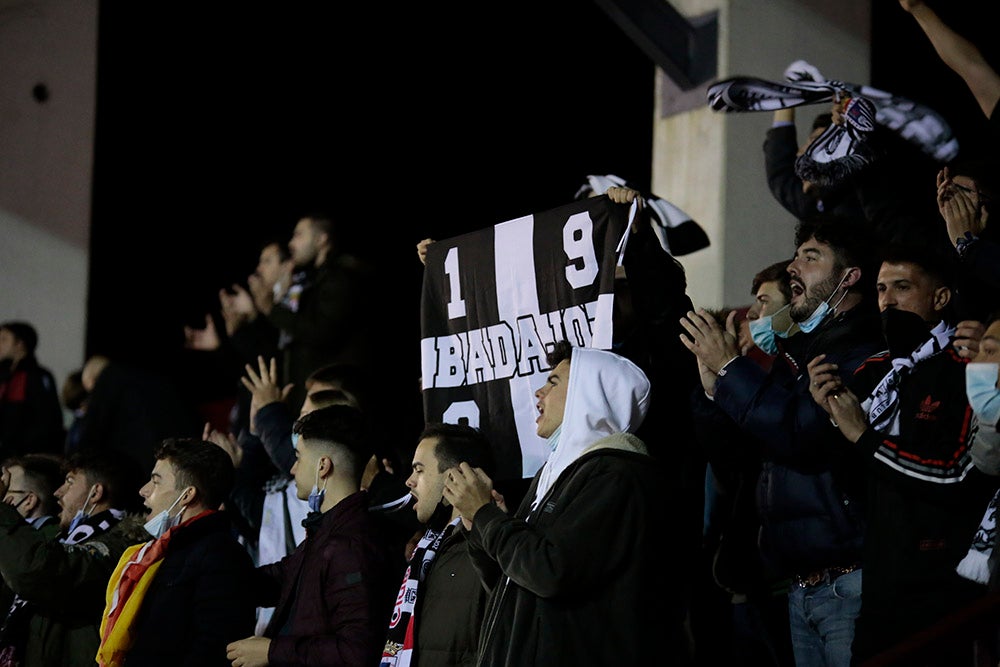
398,649
126,590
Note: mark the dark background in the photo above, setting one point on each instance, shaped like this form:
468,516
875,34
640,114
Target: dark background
220,125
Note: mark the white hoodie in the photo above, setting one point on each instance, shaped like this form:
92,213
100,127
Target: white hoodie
607,394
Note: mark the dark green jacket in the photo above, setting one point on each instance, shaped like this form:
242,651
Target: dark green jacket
64,584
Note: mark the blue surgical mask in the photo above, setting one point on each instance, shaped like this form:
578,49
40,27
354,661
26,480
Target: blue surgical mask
763,333
81,513
163,522
981,389
317,495
295,441
823,309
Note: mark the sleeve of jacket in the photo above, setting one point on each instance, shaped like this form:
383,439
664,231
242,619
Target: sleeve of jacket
558,558
780,148
42,570
786,420
329,313
348,590
274,428
223,609
45,432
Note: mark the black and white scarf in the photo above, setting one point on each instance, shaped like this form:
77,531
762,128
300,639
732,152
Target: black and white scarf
918,124
882,405
677,232
976,564
399,642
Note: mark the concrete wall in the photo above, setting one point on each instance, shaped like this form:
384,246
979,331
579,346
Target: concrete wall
47,92
711,164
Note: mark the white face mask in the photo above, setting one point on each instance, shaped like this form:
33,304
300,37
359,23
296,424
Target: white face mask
81,513
163,522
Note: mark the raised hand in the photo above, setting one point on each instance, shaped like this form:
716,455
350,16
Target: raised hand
204,340
262,383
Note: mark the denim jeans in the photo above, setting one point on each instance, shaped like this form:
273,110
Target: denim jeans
821,619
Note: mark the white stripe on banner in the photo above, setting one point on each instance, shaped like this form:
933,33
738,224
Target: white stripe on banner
516,296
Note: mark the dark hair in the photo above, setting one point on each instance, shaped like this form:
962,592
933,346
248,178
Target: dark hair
114,472
984,170
323,224
775,273
72,394
324,397
341,427
24,332
561,350
822,120
351,378
283,253
852,245
457,443
201,464
936,262
43,475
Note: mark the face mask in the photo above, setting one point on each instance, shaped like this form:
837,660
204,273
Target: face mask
981,389
295,441
81,514
763,333
21,501
316,495
823,309
904,331
163,522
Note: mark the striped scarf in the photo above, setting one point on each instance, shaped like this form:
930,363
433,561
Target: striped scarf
398,651
882,405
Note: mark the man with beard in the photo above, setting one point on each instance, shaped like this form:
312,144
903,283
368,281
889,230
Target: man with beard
907,413
811,480
323,309
441,602
60,583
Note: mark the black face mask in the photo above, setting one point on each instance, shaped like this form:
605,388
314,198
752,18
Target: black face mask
903,331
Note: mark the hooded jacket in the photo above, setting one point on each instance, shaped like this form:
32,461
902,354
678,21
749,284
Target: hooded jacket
573,582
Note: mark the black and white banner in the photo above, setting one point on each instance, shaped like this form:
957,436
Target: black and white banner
493,303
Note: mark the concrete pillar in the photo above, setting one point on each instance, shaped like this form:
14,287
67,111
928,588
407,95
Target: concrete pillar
711,164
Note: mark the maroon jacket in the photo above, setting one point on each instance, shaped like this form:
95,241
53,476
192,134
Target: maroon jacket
333,595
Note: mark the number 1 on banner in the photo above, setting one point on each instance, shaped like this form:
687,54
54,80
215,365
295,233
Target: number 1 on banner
456,304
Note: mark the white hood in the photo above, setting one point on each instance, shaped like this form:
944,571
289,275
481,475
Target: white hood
607,394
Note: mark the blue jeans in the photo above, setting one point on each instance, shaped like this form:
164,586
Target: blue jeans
821,619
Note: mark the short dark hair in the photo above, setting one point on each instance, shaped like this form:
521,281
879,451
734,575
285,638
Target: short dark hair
201,464
561,350
775,273
24,332
43,474
283,253
822,120
457,443
114,472
936,262
343,427
852,245
323,223
350,377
